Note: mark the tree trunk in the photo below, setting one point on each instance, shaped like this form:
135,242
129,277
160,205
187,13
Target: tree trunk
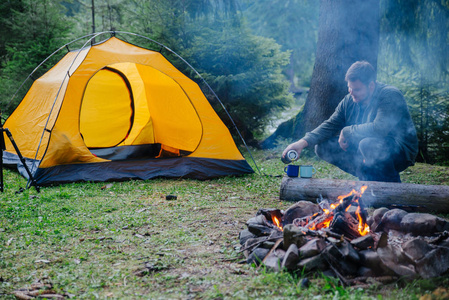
407,196
348,31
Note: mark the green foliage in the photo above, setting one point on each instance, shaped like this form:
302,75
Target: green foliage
430,111
245,72
38,28
294,25
416,36
7,9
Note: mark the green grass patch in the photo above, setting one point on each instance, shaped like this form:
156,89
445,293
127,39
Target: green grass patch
124,240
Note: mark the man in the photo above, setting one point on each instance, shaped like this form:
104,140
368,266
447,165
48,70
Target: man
371,134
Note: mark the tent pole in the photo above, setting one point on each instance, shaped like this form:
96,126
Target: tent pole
93,22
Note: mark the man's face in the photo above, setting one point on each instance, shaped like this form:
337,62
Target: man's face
360,92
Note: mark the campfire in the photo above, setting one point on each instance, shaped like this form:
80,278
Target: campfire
339,216
340,238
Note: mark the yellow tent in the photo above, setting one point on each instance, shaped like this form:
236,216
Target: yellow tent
115,111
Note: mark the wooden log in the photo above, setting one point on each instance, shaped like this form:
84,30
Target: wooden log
407,196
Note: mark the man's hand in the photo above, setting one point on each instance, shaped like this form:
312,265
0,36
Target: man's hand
297,146
343,142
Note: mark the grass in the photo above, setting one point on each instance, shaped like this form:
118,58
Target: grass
123,240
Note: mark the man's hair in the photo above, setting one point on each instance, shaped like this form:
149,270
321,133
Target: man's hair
361,70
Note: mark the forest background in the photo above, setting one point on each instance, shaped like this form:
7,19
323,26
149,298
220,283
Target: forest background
258,56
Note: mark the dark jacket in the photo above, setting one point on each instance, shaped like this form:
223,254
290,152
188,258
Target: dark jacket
386,115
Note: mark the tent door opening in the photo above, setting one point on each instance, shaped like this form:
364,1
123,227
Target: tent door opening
107,109
107,117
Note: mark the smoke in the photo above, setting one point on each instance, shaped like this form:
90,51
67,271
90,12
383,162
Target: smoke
414,43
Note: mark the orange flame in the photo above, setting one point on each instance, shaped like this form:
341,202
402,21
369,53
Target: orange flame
277,223
326,223
363,228
353,192
363,189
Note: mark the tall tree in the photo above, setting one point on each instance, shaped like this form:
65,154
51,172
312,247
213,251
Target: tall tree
348,31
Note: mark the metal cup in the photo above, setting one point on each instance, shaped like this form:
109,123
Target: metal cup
307,171
292,170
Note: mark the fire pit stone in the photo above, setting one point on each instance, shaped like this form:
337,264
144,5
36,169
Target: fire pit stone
257,256
445,243
291,258
274,259
335,237
294,235
416,248
391,220
379,213
363,242
244,235
299,210
342,258
317,262
370,259
348,252
395,260
434,263
258,220
259,229
423,224
312,248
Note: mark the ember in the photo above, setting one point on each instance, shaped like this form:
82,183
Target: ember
340,237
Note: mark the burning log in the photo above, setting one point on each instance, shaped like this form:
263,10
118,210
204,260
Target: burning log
407,196
319,222
344,223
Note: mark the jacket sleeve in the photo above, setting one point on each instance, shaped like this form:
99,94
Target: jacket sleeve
329,128
391,109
